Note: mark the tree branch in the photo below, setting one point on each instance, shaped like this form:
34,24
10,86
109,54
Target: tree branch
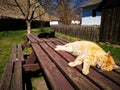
20,8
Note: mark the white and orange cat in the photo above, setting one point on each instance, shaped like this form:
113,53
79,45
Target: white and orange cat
90,54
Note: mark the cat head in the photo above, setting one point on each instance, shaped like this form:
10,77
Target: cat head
52,34
107,63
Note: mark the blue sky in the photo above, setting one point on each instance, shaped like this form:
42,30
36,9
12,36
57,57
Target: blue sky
75,2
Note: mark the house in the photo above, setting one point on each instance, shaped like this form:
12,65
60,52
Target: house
54,20
110,21
76,20
87,10
13,14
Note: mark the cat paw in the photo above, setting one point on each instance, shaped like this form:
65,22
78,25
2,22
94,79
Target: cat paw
71,64
85,72
58,47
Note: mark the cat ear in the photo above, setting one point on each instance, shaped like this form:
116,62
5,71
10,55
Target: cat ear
108,54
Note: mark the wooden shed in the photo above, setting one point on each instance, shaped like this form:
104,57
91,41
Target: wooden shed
110,21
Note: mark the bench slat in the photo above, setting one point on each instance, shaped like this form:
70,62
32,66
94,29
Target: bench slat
111,75
31,38
56,79
31,59
31,67
13,55
17,76
20,54
6,77
36,38
17,80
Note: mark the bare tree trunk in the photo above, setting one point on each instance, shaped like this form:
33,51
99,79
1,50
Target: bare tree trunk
41,26
28,23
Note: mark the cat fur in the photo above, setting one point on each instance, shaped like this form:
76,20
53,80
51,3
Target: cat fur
90,54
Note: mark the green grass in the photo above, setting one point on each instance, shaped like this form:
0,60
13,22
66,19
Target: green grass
115,50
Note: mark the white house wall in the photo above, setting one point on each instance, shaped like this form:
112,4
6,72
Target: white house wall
91,20
87,18
75,22
54,22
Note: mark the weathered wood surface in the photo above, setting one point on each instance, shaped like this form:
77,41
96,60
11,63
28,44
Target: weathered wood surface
110,25
17,80
12,76
34,39
54,76
31,67
62,77
6,77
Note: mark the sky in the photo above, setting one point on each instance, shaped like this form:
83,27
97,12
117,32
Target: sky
75,2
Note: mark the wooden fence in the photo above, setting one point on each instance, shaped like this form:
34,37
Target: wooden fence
82,32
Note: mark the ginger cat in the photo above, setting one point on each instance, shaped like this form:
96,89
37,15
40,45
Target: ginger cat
90,54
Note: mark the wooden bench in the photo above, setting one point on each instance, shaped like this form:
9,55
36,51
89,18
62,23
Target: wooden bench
59,76
12,76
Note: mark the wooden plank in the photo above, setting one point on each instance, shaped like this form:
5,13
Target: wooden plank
52,39
56,80
17,76
76,79
31,59
17,69
105,82
20,54
35,37
31,67
117,70
6,77
31,38
13,55
115,77
26,43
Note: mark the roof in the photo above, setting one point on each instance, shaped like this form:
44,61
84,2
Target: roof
18,10
53,18
91,2
108,4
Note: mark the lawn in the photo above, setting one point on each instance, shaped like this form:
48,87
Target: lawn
8,38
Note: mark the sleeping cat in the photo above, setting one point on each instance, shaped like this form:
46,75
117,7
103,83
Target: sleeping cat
90,54
47,35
